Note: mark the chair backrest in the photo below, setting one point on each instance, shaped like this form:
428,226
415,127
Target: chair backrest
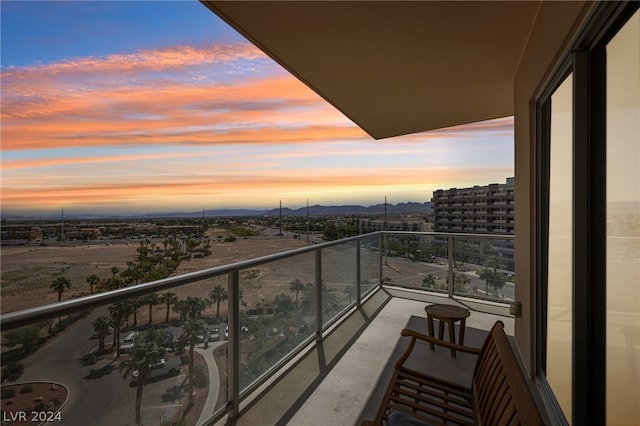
502,396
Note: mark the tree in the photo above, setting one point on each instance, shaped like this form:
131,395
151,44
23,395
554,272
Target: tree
284,303
12,371
329,298
114,271
181,308
494,279
151,300
296,286
102,325
28,337
144,354
429,281
196,305
118,312
217,295
115,283
59,285
190,331
461,281
136,302
92,280
168,299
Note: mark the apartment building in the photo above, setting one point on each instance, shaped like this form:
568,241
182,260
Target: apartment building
485,209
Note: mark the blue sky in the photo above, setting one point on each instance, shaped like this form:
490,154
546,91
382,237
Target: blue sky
160,106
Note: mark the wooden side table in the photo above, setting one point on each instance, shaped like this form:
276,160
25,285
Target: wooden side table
446,314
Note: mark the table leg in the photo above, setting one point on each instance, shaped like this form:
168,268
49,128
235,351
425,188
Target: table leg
440,329
430,328
462,324
452,336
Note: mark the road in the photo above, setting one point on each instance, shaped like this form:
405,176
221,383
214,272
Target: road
98,394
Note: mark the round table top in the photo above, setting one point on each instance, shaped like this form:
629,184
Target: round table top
447,311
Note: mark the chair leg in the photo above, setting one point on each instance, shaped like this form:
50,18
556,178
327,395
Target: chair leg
430,328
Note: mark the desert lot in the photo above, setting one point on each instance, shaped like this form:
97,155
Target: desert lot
26,272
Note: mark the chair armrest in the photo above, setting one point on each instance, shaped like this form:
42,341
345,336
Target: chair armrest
414,335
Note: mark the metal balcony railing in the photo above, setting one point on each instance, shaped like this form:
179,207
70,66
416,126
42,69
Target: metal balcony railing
265,326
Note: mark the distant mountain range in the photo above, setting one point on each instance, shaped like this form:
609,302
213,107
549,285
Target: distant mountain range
315,210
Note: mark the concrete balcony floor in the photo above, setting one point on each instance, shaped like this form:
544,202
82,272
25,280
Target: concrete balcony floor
342,381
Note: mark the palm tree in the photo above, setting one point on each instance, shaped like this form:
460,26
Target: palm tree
151,300
92,280
296,286
136,302
168,299
217,295
101,325
181,308
329,298
190,331
196,305
118,312
284,303
143,356
114,271
115,283
59,285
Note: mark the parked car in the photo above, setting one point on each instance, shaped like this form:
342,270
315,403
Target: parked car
164,368
167,340
244,330
128,342
214,334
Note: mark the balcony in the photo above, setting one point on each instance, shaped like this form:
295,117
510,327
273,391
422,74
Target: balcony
299,326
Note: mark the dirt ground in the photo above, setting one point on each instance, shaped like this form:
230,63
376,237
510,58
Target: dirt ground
26,272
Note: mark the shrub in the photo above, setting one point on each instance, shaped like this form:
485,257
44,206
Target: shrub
56,401
26,388
40,407
8,393
199,380
9,402
38,399
12,371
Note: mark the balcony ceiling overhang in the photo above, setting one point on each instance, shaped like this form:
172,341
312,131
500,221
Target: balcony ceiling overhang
393,67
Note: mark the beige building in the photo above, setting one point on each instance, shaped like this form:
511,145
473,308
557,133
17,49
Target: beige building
485,209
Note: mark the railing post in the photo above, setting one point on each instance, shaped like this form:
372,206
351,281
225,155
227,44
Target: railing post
233,348
380,254
318,290
358,273
451,264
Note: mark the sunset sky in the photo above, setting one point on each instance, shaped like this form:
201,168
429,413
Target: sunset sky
123,107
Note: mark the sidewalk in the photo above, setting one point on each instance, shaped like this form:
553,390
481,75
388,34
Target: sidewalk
214,380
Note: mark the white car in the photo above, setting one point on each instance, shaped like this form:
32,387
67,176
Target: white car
128,342
164,367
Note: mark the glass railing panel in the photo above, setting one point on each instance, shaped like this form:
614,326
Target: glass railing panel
369,263
416,261
339,276
484,267
277,313
106,356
